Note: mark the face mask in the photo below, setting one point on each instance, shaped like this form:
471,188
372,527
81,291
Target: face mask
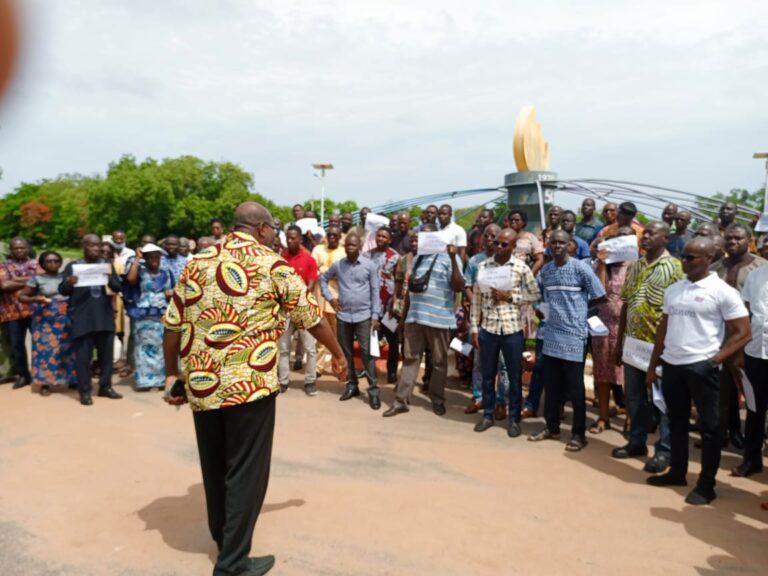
117,246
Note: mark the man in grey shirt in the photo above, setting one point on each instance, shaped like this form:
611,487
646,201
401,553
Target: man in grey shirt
358,309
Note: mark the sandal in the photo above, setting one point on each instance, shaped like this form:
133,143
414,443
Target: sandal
125,371
575,444
599,426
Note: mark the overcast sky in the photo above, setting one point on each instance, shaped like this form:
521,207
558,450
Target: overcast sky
405,98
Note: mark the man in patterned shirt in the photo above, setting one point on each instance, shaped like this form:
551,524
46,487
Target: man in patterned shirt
227,312
386,259
569,287
643,295
496,327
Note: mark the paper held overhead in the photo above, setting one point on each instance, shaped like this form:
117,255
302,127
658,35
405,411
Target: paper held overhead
762,224
432,243
619,249
307,225
375,221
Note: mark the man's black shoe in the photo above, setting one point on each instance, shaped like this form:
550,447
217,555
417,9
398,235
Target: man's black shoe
86,400
350,392
395,410
629,451
20,382
484,424
513,431
374,401
257,566
737,440
746,469
110,393
392,379
698,497
657,464
666,480
438,409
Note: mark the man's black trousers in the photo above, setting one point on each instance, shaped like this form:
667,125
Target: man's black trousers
235,446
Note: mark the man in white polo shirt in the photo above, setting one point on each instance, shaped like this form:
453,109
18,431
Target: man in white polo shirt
456,234
689,342
755,294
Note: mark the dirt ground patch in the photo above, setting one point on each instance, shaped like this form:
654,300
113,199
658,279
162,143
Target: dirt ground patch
115,489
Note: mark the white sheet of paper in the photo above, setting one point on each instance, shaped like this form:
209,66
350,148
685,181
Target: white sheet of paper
658,397
375,350
762,224
91,274
432,243
749,392
596,326
637,353
499,277
464,348
620,249
389,322
375,221
307,224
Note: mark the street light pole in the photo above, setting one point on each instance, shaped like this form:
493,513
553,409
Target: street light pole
764,156
321,177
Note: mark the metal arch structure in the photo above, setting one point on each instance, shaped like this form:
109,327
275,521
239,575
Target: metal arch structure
649,198
644,196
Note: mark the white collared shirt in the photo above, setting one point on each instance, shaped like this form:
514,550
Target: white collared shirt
696,315
755,293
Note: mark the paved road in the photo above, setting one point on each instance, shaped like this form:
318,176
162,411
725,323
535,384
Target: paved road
115,490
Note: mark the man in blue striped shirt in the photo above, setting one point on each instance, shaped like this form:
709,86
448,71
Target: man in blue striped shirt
429,318
358,309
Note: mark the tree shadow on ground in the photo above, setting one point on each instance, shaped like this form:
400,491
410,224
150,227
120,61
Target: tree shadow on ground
183,524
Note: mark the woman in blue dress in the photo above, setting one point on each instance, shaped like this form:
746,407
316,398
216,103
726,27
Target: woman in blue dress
150,288
53,359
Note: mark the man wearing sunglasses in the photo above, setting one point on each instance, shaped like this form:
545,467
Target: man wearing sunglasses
496,327
691,346
490,233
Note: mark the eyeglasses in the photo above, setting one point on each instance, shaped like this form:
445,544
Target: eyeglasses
51,261
502,244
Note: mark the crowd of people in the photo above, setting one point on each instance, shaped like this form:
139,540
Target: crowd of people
683,322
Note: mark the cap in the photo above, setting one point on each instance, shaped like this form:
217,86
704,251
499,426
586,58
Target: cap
149,247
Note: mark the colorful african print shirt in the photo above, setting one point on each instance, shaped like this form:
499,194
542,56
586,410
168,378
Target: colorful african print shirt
231,305
10,307
643,292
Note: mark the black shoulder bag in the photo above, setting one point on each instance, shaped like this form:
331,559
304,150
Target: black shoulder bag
419,285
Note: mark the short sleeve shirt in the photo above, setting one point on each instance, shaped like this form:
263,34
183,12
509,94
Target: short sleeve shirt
303,263
435,306
696,315
230,306
46,284
10,307
456,235
643,292
568,290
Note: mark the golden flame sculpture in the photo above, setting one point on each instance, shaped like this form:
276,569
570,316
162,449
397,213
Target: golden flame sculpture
530,149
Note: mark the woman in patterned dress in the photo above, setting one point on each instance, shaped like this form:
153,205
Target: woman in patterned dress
152,288
604,370
53,360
